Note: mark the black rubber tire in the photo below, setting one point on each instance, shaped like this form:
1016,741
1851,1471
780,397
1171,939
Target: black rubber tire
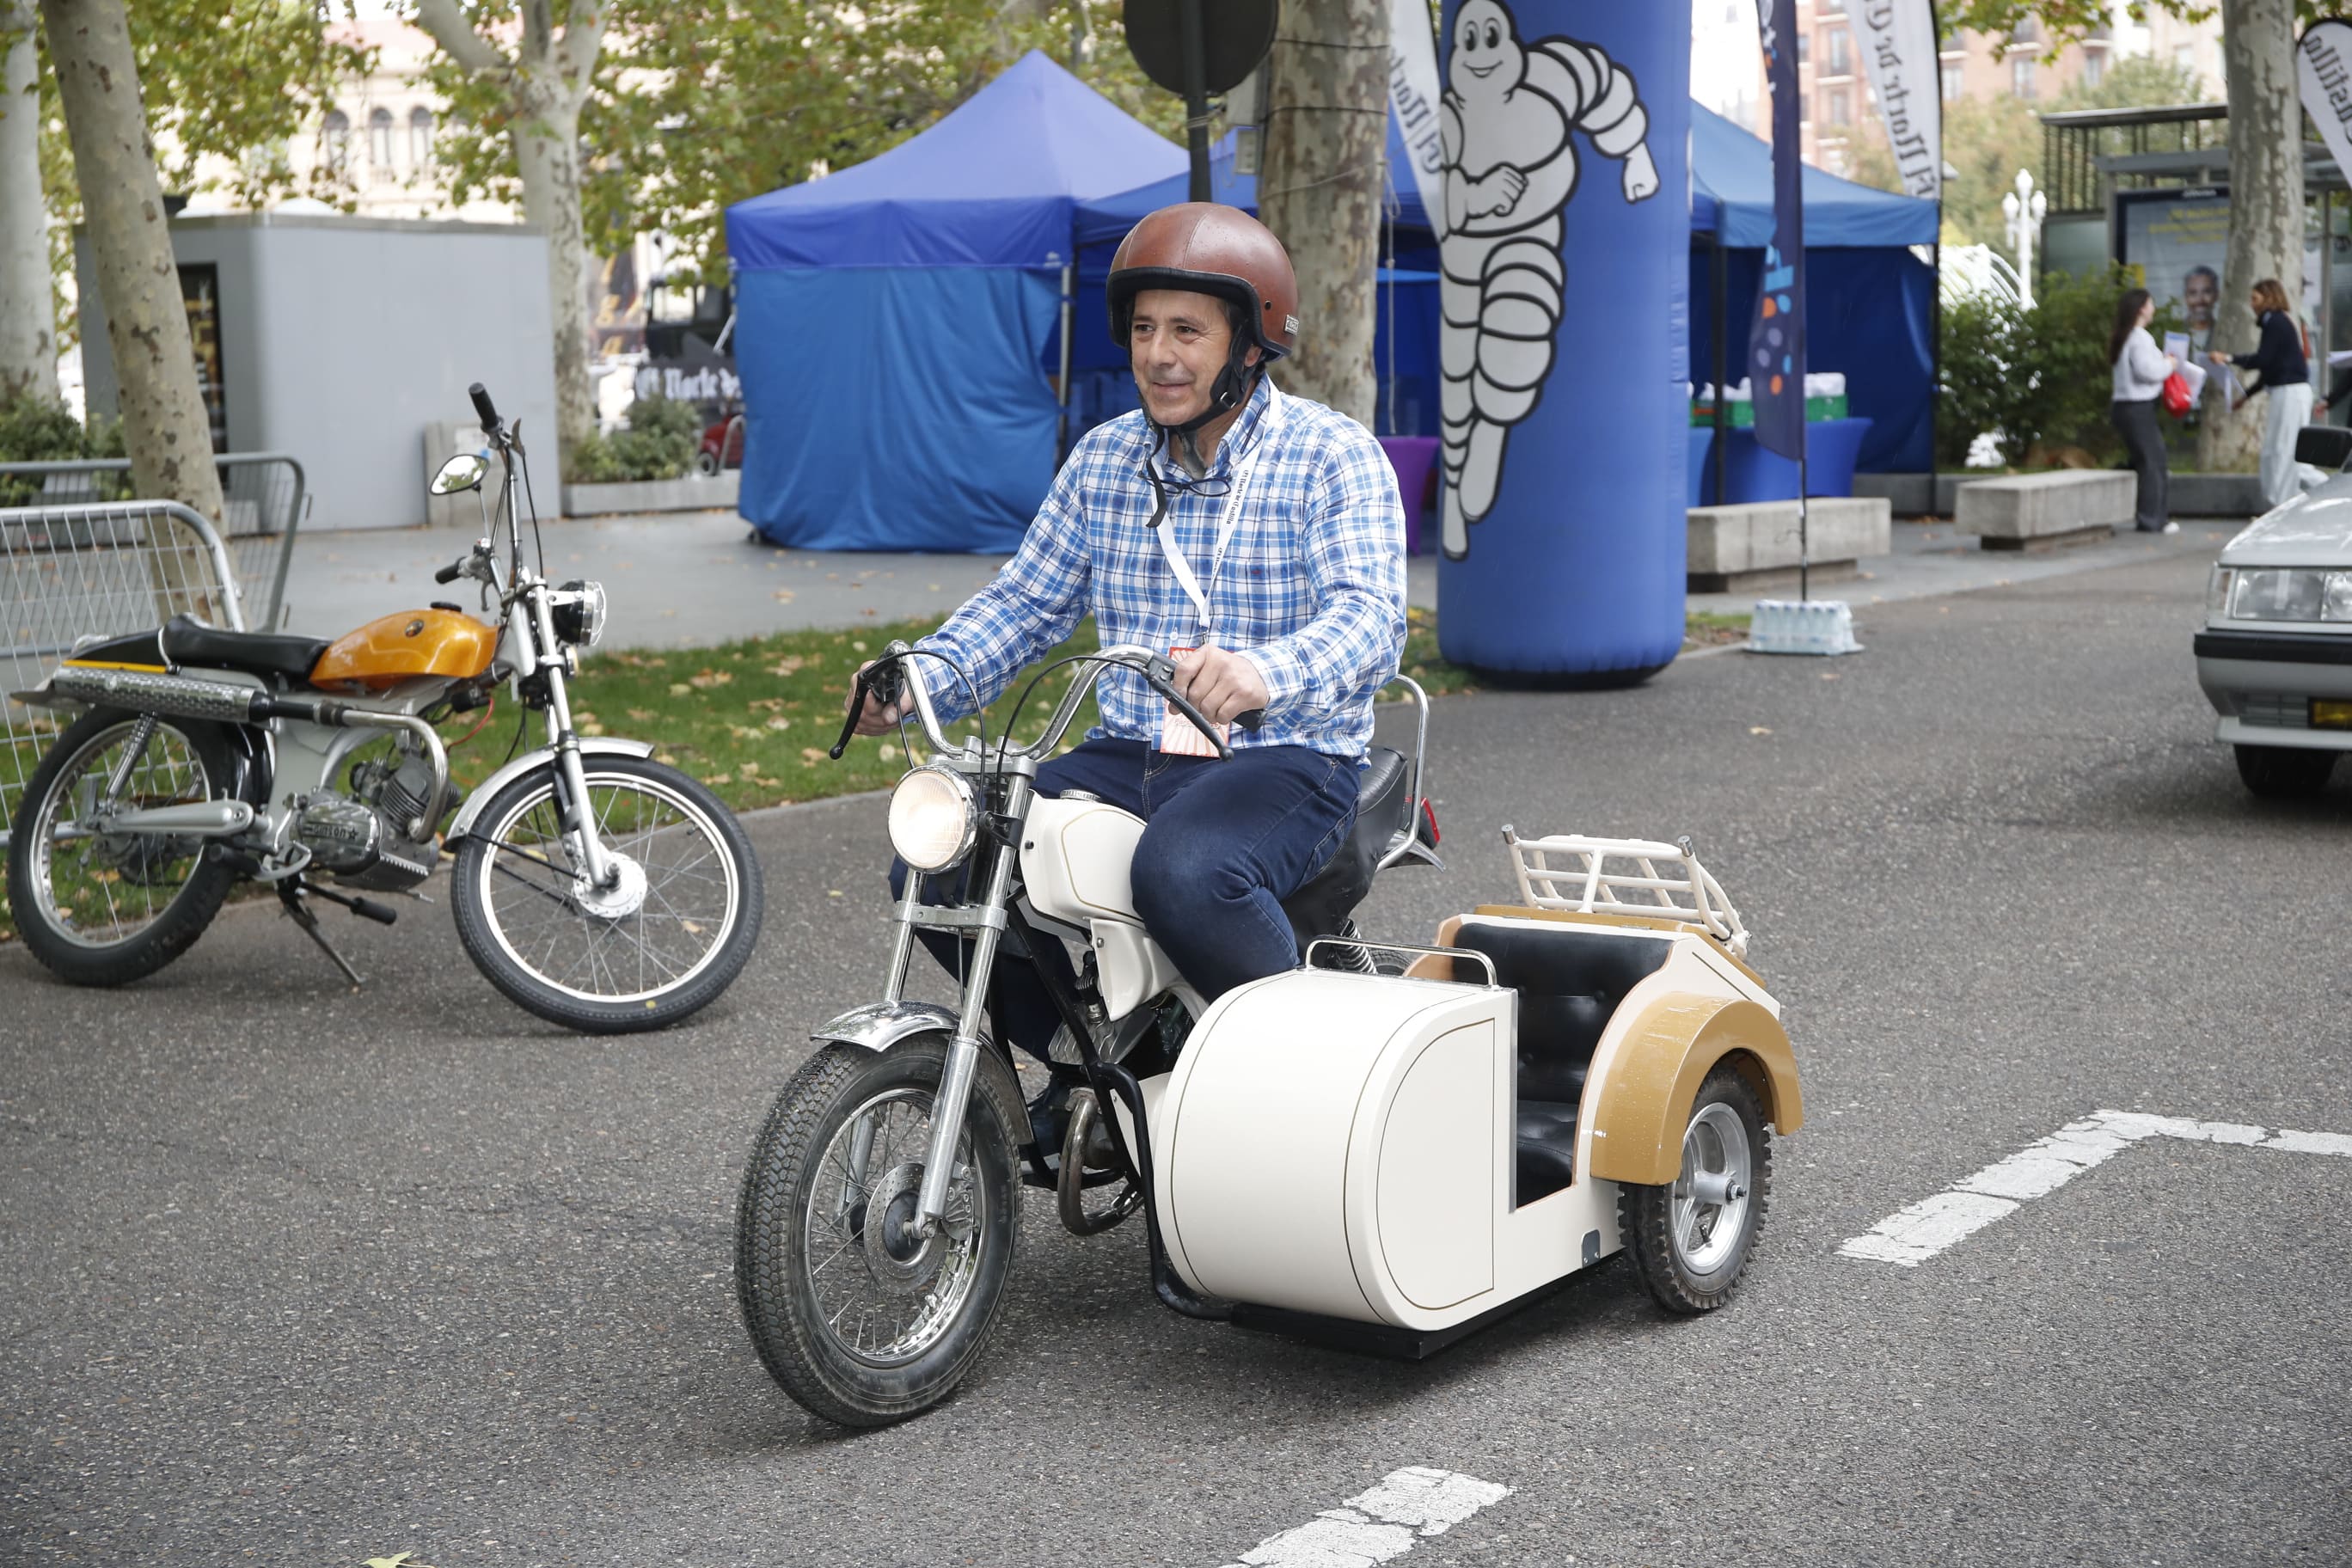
780,1310
2284,773
184,920
534,994
1645,1214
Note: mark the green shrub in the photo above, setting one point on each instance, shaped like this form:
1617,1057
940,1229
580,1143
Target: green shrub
37,430
660,442
2038,377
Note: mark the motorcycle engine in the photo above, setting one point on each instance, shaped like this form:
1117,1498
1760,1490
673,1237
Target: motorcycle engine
365,842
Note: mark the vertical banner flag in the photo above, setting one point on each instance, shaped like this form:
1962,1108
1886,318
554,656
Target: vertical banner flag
1776,341
1412,98
2323,61
1898,41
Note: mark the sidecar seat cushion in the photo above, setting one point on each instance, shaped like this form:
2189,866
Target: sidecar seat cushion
1547,1147
1570,981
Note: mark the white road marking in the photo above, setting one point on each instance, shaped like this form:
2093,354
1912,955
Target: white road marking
1407,1506
1910,1237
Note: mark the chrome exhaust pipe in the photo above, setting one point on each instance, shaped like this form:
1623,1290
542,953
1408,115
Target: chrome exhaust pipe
142,691
206,819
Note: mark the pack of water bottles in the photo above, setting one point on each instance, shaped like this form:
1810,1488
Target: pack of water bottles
1791,626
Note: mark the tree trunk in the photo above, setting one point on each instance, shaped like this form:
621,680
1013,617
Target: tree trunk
546,138
164,420
1321,187
2266,208
29,323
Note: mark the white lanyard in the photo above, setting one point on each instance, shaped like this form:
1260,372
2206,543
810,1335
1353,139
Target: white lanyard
1228,521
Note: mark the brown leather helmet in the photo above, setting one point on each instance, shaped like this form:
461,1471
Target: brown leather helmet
1209,248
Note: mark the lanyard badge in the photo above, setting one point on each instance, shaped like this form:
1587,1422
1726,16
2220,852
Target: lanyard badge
1177,735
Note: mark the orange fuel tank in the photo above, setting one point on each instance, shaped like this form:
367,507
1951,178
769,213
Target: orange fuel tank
400,648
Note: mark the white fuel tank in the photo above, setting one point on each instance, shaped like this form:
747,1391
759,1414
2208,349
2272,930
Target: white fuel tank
1338,1144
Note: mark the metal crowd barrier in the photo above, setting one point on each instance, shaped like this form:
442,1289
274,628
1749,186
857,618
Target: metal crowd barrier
265,497
107,568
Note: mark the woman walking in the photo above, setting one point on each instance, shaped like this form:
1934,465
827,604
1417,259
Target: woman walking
2140,368
2286,377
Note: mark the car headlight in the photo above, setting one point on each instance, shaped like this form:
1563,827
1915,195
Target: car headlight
578,611
2283,593
934,820
2217,591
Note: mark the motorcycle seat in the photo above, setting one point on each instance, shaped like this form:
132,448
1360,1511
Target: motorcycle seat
184,641
1382,807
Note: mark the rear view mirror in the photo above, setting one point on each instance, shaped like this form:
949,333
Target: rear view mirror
2325,446
465,472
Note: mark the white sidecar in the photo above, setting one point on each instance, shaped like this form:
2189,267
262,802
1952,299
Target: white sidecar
1391,1160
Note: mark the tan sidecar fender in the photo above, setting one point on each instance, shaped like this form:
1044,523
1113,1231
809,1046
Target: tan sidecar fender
1645,1102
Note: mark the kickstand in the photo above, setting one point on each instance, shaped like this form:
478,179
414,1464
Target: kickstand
290,894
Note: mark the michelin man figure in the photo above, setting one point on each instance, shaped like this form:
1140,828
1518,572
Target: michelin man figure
1507,110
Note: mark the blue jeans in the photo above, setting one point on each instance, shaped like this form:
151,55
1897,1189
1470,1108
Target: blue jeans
1224,844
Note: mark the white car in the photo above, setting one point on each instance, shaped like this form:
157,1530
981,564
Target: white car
2275,654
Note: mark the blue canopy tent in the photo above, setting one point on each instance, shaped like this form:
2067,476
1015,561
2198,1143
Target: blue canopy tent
1871,301
892,319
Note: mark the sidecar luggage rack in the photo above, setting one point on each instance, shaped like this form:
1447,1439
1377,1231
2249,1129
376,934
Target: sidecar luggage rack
1574,872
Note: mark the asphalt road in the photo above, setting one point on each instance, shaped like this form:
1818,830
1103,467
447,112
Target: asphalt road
300,1277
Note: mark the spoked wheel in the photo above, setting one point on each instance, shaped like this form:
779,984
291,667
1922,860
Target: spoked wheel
105,908
860,1318
1692,1241
651,947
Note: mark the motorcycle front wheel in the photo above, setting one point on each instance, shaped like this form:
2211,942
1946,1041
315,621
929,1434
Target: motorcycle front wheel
852,1314
654,946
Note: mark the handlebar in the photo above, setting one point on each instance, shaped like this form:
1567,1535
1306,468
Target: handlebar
483,409
451,573
905,673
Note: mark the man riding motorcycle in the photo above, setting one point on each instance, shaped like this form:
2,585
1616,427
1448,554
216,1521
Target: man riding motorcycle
1258,536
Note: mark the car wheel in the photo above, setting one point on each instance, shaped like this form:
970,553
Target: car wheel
2284,773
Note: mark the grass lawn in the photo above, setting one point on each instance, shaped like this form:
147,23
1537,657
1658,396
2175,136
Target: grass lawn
753,719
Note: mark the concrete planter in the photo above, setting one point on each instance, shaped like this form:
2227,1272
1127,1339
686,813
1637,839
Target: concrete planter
692,493
1736,548
2036,511
2187,495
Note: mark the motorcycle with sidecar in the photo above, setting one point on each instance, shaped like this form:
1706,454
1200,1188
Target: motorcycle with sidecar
1386,1147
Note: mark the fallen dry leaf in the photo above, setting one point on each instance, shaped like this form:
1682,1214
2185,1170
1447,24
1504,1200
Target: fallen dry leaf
785,595
1758,730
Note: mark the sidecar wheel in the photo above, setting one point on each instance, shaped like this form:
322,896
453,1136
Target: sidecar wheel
1691,1242
855,1319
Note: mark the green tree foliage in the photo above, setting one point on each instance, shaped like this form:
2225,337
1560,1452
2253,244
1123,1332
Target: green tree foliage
233,79
1988,140
34,429
701,103
2039,379
660,443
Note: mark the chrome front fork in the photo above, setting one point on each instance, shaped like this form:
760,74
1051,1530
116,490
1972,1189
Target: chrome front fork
588,847
964,1051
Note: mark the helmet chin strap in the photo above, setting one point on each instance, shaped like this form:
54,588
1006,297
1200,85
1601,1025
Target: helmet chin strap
1227,393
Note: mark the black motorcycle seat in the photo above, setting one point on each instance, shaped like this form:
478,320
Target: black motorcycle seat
1382,800
191,642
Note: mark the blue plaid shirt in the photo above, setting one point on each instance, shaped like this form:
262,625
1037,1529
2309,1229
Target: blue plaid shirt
1311,589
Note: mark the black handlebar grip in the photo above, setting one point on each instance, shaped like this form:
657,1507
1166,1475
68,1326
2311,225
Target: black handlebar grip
483,407
857,695
1155,674
1250,719
451,573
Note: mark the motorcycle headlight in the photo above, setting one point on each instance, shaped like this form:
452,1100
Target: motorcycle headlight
578,609
934,820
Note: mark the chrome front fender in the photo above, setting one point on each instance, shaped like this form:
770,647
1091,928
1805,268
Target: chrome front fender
878,1025
590,746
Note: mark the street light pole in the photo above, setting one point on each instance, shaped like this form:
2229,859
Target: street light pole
2024,207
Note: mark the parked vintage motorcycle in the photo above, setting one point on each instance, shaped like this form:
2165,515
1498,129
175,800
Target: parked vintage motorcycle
591,885
1384,1148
